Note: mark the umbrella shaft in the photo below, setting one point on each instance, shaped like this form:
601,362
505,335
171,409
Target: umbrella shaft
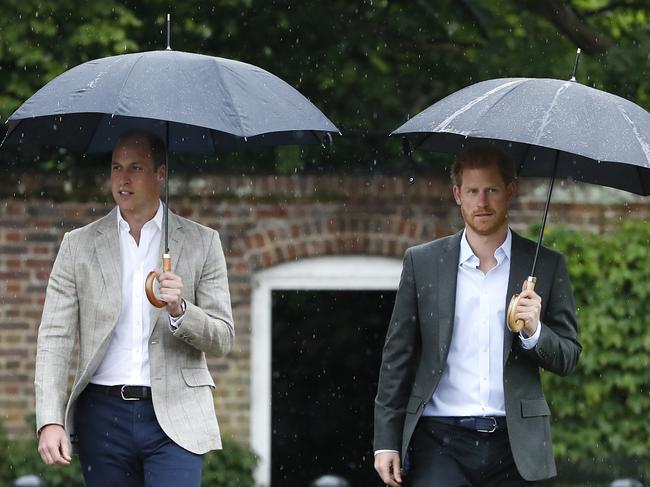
546,206
166,213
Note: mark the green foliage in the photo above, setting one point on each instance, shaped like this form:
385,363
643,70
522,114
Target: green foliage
601,411
231,467
20,457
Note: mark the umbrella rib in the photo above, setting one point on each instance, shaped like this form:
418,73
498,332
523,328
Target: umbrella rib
232,102
126,79
442,126
547,114
92,137
212,138
645,146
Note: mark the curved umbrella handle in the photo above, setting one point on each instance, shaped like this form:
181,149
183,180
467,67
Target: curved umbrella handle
514,324
148,285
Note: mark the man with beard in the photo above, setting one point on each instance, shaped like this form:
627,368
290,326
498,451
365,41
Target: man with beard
459,401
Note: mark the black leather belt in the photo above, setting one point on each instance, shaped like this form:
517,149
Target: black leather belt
128,393
482,424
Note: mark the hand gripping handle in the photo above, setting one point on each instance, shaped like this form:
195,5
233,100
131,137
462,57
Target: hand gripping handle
514,324
148,285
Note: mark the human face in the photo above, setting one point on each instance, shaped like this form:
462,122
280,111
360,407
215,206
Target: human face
135,183
483,198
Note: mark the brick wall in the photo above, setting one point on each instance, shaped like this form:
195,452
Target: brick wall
263,221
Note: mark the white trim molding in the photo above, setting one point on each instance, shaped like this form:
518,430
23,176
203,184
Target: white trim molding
353,272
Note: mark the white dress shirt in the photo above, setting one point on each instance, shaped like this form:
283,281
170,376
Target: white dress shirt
127,357
472,380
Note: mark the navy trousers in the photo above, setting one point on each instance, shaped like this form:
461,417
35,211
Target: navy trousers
122,444
444,455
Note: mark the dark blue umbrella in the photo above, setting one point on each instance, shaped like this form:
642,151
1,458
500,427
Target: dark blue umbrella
195,103
550,128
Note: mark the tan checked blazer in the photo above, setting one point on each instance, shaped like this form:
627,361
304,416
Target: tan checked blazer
83,300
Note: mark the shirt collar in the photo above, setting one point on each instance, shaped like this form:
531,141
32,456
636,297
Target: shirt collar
467,254
157,219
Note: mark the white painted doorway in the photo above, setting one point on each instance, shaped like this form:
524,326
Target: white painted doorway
319,273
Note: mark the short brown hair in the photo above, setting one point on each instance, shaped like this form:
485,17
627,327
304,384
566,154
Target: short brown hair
156,145
481,155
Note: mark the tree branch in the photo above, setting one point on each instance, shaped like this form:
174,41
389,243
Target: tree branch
569,23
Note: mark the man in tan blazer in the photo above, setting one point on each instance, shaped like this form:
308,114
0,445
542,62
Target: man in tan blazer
141,410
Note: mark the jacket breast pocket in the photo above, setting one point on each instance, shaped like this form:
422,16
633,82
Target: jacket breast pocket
197,377
534,407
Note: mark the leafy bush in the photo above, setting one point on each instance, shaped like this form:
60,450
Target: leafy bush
20,457
231,467
601,412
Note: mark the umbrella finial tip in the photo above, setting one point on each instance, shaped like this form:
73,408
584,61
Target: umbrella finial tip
169,31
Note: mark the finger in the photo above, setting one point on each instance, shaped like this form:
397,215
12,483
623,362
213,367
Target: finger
170,284
390,473
167,294
393,483
395,468
525,317
170,275
52,455
387,477
45,455
529,294
527,309
55,452
529,303
65,450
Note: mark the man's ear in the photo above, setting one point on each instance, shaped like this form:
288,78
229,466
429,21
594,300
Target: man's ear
162,170
456,190
513,190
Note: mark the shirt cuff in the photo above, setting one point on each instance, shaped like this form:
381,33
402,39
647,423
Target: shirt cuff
175,322
529,342
385,451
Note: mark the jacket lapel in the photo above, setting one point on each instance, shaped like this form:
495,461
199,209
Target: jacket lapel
520,265
447,278
107,246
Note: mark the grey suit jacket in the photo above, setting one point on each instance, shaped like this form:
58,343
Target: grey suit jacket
419,336
83,301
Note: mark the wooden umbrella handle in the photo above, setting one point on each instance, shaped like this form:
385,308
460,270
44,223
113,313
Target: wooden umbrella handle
148,285
514,324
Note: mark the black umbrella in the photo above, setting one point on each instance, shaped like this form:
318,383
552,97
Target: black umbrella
550,128
195,103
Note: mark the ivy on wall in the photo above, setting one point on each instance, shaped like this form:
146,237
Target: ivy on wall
602,411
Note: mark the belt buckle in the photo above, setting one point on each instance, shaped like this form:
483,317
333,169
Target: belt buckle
491,430
127,398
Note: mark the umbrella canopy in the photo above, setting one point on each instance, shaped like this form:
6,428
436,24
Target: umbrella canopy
208,105
592,135
550,128
194,103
